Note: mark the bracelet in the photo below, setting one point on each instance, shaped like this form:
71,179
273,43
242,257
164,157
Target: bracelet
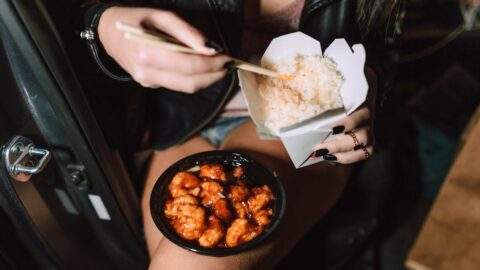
91,20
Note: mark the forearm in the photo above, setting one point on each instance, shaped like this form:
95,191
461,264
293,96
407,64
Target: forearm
149,65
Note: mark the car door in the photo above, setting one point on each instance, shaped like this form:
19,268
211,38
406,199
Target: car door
65,191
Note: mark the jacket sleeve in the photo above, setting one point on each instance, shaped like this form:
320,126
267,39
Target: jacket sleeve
330,19
91,19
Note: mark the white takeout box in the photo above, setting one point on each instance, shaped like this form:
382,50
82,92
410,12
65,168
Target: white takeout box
300,139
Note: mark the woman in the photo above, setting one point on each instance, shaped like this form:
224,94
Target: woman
198,106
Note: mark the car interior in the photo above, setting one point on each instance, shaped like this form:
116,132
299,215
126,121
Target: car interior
82,211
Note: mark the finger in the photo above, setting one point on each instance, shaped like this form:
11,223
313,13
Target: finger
175,81
344,142
173,25
352,121
350,156
158,58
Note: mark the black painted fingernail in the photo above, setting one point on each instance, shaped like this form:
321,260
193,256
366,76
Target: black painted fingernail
230,66
214,46
338,129
330,157
320,152
357,147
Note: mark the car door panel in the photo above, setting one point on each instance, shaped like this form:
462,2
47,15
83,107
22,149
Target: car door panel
82,209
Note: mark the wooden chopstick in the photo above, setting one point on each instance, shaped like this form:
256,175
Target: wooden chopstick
169,43
160,42
240,64
142,31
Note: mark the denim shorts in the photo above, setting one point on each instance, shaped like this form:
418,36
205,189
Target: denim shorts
219,129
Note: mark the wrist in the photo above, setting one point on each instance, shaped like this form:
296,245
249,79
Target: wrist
106,25
91,35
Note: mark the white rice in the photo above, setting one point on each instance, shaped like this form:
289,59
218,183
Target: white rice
314,89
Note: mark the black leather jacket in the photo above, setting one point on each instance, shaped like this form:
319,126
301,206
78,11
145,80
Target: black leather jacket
176,116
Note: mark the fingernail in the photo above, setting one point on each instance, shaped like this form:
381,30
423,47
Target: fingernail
338,129
230,66
357,147
213,46
320,152
330,157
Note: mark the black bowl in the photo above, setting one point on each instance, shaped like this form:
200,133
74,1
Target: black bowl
258,174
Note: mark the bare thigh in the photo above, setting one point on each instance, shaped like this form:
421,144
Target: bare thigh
159,162
311,192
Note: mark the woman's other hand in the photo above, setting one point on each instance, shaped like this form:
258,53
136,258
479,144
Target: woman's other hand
153,66
341,146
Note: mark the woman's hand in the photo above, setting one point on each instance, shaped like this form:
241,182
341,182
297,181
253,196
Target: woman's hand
153,66
341,146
